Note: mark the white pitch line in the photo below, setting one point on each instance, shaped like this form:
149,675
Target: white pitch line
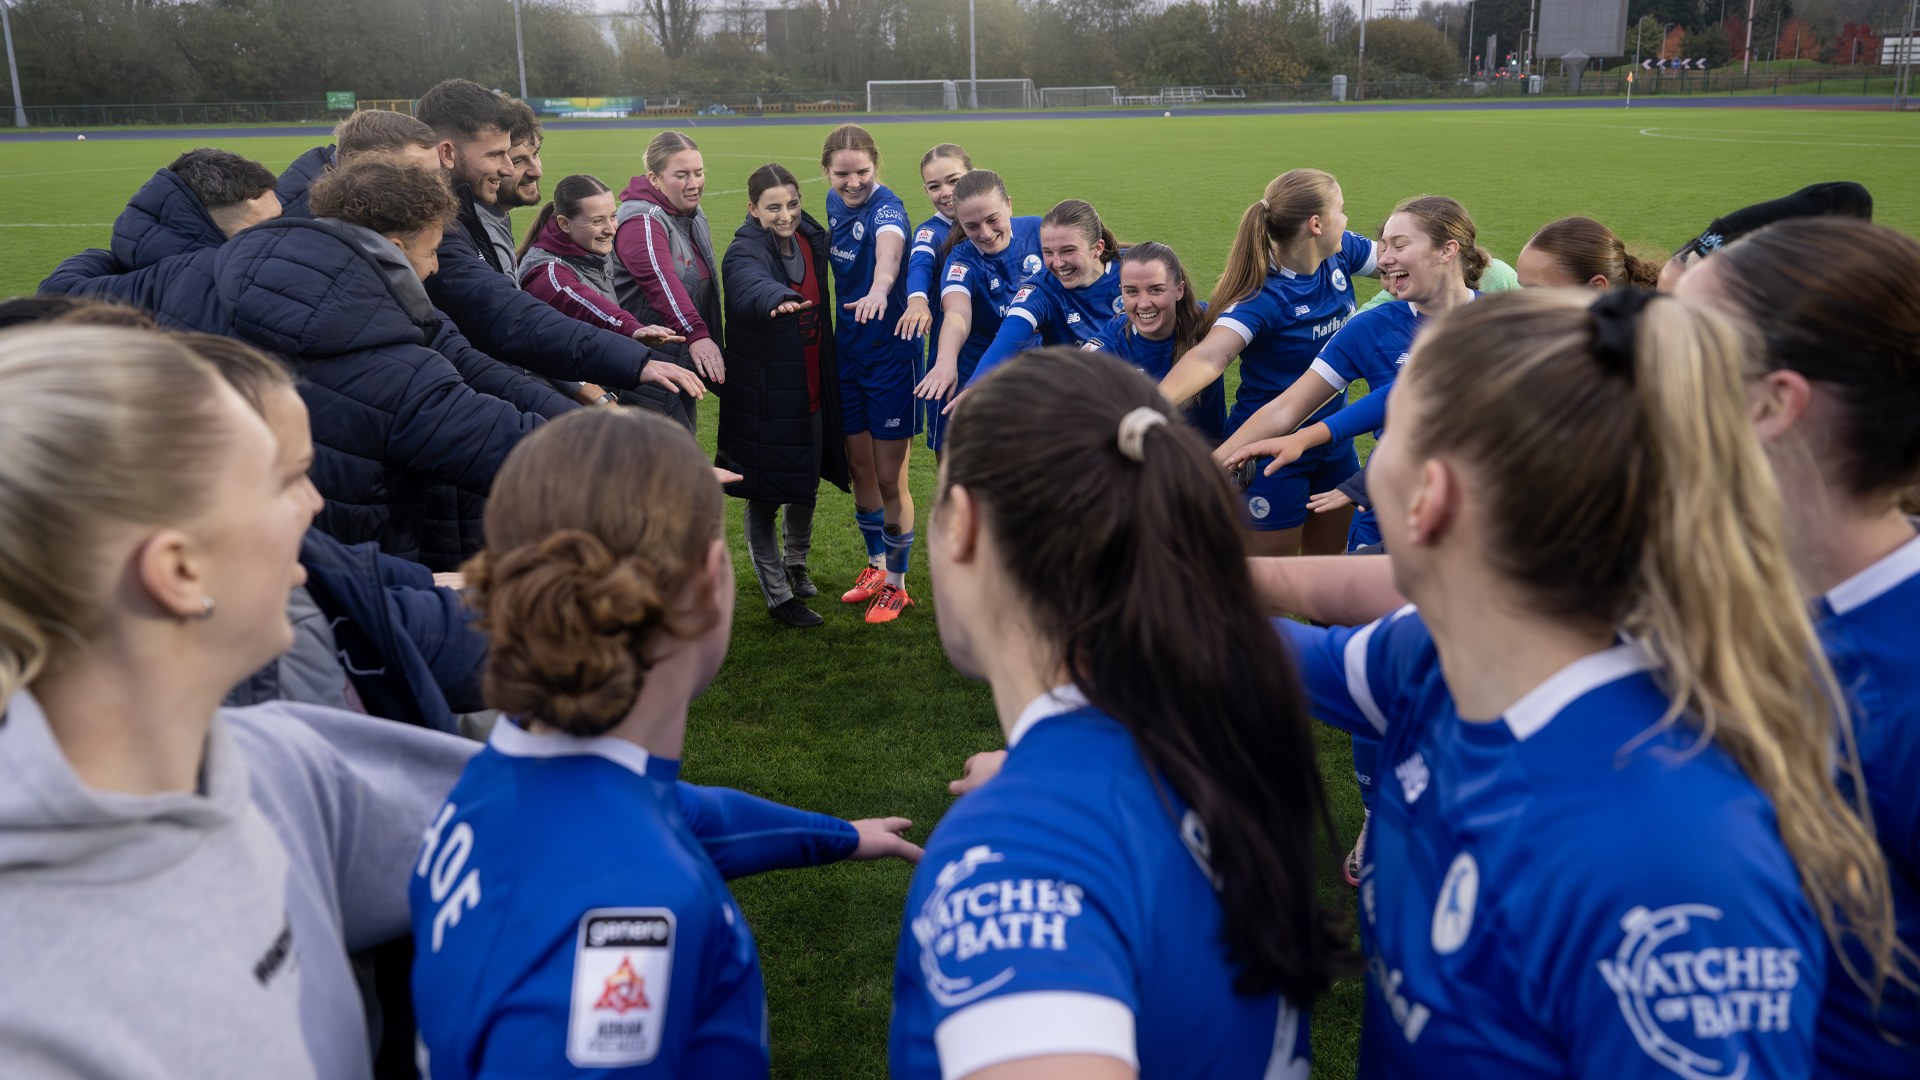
54,225
1655,133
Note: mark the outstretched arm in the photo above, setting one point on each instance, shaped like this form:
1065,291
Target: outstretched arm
1308,395
746,835
1341,590
1202,364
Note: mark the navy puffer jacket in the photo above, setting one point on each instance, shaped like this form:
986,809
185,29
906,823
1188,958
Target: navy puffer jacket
163,218
293,184
391,415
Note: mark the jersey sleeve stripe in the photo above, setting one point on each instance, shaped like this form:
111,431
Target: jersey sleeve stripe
1023,313
894,229
1325,370
653,261
956,289
1373,259
921,293
1034,1024
1238,327
1357,686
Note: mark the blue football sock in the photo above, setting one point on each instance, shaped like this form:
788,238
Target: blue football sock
899,550
873,525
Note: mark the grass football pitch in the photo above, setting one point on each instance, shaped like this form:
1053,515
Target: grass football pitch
865,721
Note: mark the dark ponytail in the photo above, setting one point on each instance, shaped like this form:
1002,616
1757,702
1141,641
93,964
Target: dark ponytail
1112,545
1586,249
974,184
1445,219
567,196
1190,320
1080,216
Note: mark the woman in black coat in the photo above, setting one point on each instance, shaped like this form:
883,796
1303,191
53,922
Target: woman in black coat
780,406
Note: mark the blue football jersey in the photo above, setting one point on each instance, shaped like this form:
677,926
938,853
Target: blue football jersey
854,236
1061,316
991,282
1286,322
1206,411
1559,892
1372,346
567,923
923,266
1873,641
1066,907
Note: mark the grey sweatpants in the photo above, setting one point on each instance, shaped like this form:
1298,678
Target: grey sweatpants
772,553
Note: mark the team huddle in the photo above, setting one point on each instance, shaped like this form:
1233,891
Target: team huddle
1619,615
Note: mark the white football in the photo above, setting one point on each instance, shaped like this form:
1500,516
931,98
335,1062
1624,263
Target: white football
82,138
1164,114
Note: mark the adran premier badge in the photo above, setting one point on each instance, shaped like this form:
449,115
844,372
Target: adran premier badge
621,967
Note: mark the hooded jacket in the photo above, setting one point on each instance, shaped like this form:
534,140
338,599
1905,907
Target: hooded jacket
574,281
511,326
766,430
390,414
206,934
658,255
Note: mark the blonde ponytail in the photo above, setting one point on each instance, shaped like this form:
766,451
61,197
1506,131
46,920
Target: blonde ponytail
1628,489
1721,608
1290,201
99,426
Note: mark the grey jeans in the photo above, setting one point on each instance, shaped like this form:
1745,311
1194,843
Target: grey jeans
772,553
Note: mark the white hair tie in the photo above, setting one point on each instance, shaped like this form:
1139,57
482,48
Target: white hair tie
1133,431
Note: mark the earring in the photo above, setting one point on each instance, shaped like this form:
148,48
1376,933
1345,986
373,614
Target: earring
207,606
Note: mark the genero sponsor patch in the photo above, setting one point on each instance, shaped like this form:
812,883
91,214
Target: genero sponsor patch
622,964
957,272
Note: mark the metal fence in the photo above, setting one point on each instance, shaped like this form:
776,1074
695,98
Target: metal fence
1866,81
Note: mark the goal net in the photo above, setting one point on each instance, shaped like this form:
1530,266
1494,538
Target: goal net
1071,97
918,95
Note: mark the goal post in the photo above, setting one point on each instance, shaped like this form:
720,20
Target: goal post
920,95
910,95
1068,97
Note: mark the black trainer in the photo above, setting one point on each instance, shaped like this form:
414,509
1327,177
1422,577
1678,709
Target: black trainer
802,585
795,614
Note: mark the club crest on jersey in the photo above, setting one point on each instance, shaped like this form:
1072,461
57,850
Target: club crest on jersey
1707,992
1119,306
1413,777
924,236
1031,264
965,921
860,230
957,272
622,965
1339,276
1453,911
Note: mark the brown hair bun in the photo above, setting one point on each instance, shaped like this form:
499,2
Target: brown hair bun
578,578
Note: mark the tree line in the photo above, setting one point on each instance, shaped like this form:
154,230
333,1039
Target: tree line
98,51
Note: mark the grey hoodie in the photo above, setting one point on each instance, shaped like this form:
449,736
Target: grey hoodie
205,935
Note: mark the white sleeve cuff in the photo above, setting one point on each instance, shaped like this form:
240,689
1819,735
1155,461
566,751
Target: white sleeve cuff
921,293
956,289
1357,686
1238,327
1373,260
1325,370
894,229
1035,1024
1031,321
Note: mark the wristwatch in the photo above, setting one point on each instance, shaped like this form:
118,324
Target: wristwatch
607,398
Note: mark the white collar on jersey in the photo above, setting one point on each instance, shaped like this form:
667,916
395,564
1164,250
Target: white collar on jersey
1538,706
1060,699
515,741
1869,584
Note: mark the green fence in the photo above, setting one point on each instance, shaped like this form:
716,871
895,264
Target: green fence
1864,81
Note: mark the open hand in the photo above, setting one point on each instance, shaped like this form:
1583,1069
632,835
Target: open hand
706,359
1284,450
880,839
940,383
1328,501
916,321
868,307
979,769
656,335
674,377
790,307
